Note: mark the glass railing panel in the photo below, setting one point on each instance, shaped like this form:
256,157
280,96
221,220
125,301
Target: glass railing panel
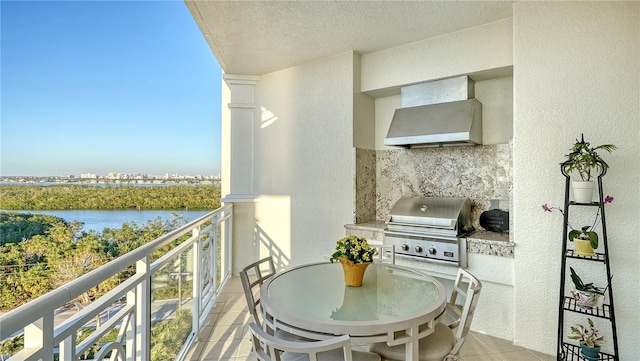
172,306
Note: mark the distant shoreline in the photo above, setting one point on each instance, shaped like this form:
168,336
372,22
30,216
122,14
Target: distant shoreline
116,179
112,183
76,196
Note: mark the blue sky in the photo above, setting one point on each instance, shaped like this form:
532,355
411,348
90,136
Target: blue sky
106,86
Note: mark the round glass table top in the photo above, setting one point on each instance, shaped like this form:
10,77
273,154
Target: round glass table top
316,293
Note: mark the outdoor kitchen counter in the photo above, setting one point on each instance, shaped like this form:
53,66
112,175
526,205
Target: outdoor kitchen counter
480,242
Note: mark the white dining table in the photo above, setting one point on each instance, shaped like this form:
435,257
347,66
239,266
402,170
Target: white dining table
395,304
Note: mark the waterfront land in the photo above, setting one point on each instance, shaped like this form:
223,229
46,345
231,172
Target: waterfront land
65,196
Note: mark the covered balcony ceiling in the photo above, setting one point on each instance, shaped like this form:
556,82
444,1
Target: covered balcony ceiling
258,37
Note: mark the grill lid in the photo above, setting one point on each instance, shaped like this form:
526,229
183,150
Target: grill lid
434,212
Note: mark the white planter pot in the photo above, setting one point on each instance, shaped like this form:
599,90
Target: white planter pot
583,191
587,300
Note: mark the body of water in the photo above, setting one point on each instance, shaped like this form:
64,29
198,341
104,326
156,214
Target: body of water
98,220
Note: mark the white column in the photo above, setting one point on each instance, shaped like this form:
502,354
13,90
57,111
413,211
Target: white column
238,123
237,142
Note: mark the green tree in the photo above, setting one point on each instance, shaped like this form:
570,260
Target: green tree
112,197
59,254
10,346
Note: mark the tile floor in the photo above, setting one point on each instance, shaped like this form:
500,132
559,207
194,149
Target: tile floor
227,338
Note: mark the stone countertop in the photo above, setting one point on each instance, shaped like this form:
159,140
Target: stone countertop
490,243
369,226
480,242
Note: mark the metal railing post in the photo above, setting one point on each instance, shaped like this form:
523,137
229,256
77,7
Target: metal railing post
143,312
67,348
213,256
197,280
39,336
228,244
130,349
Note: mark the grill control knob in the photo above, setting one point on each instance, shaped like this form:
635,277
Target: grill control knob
418,249
432,250
405,247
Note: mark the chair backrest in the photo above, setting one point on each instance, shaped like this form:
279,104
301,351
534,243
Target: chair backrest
468,286
269,348
262,270
386,254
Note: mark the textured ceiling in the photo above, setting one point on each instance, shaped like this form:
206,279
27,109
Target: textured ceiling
257,37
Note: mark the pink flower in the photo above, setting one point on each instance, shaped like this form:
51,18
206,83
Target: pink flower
607,199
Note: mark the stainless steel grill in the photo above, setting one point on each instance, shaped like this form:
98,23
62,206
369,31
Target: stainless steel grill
430,229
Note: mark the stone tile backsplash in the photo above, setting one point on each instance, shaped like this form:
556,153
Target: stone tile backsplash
365,184
480,173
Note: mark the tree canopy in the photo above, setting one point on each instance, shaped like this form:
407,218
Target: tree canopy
40,253
58,197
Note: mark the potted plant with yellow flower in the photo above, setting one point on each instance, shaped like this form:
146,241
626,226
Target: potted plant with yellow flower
355,254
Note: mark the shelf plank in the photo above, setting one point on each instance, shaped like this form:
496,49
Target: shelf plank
599,257
602,312
571,352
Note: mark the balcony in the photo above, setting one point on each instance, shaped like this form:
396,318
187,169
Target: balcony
207,320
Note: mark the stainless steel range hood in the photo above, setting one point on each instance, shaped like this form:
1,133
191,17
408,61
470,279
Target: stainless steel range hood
436,114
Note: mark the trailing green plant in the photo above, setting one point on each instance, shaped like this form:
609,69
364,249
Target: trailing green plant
584,158
580,286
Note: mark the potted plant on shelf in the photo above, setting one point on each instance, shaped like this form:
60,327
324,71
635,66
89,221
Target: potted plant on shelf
584,239
355,254
584,159
587,295
590,340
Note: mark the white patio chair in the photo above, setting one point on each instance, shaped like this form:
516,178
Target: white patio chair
449,335
269,348
386,254
262,269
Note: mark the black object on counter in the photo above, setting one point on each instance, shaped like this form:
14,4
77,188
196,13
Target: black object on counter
495,220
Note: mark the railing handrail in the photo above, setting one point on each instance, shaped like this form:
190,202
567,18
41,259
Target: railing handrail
16,319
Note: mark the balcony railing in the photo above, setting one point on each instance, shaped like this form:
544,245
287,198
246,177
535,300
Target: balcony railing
155,314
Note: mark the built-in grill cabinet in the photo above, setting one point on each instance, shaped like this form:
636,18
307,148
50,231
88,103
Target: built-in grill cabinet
432,229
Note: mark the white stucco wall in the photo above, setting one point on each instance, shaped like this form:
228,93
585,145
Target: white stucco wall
364,130
576,70
468,51
304,158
